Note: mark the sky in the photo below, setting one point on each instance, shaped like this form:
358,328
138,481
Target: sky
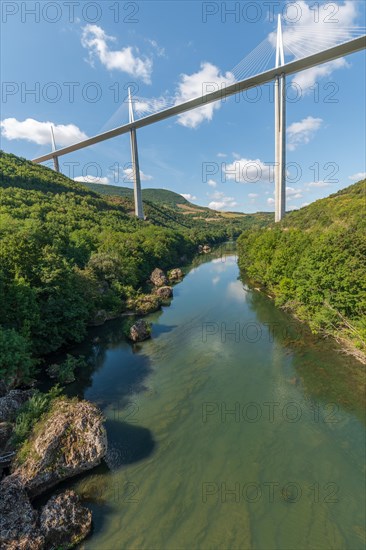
69,64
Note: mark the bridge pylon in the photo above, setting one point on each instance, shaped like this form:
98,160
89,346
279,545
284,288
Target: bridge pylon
55,158
139,211
280,130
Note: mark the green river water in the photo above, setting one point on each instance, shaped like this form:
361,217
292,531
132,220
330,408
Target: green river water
219,440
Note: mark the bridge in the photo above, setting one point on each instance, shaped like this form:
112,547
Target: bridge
277,74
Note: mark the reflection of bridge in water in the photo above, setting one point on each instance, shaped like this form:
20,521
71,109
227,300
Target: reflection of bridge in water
297,43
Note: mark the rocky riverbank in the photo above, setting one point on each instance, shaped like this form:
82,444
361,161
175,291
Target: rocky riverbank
69,439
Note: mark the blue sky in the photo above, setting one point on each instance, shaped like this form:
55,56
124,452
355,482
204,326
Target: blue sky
220,155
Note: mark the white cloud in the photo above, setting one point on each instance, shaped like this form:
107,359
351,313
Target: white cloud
253,195
304,204
221,155
212,183
305,80
208,78
40,132
357,177
189,197
309,35
128,172
91,179
303,131
270,201
320,183
222,202
292,193
248,171
126,60
160,52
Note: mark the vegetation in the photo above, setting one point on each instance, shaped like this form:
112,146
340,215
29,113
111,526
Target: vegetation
314,262
68,255
30,413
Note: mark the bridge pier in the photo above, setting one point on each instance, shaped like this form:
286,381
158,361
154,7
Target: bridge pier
280,131
139,211
55,158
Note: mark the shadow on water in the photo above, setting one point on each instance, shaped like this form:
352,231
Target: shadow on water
127,443
326,373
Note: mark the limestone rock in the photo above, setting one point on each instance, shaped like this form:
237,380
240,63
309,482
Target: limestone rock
144,304
11,402
140,331
18,520
70,440
158,277
164,292
175,274
64,522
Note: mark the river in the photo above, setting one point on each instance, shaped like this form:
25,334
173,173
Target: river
226,430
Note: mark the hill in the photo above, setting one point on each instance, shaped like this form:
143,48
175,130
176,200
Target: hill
314,263
346,207
160,196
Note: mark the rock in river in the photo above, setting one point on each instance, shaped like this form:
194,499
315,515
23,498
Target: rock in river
164,292
158,277
175,274
64,521
140,331
18,520
70,440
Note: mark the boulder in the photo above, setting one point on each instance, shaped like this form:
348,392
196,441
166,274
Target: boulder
175,274
206,248
139,331
158,277
18,520
11,402
144,304
164,292
68,441
64,522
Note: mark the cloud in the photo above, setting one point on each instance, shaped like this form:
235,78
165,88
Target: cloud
270,201
357,177
248,171
292,193
304,204
302,132
221,201
189,197
160,52
40,132
126,60
221,155
212,183
208,78
128,172
91,179
316,31
253,195
320,183
305,80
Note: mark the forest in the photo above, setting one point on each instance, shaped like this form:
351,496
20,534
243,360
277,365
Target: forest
67,252
314,263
